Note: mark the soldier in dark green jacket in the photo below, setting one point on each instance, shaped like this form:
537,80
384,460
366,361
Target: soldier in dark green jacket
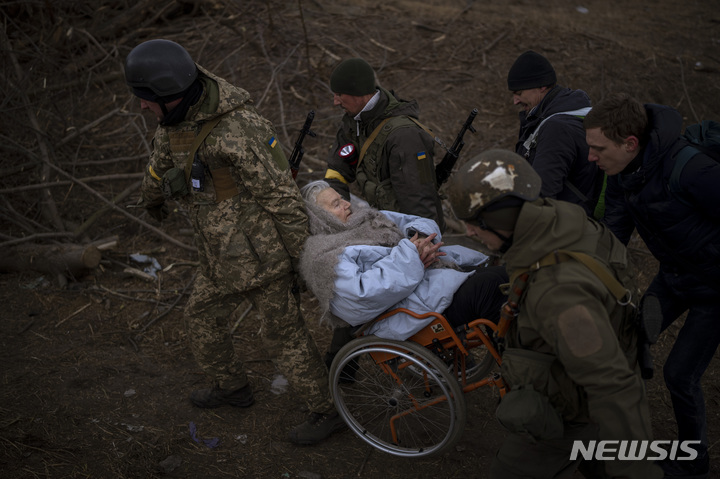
570,355
381,145
215,155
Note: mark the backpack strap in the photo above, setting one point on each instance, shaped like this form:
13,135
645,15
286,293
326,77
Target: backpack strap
620,292
681,159
378,129
204,132
531,141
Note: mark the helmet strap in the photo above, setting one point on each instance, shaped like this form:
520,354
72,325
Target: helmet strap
162,106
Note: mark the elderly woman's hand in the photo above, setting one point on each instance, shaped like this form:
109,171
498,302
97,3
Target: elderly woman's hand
429,252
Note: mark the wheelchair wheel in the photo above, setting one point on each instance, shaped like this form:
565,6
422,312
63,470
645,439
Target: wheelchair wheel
378,392
478,364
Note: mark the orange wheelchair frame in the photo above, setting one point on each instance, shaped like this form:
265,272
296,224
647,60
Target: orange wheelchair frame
406,398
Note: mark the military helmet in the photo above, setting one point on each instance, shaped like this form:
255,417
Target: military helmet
161,66
488,178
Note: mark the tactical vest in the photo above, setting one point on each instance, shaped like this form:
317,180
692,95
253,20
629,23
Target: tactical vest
218,183
373,171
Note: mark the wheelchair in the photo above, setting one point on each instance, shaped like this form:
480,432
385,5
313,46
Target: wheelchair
406,398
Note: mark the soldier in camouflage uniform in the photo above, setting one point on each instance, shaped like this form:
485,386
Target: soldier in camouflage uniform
249,224
570,353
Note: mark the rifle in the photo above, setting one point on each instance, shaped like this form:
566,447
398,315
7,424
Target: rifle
444,168
299,151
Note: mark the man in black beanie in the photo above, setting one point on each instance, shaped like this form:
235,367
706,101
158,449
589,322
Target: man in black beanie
551,133
381,145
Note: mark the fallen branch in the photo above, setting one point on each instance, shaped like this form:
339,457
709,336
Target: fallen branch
99,213
384,47
161,315
87,127
73,315
687,95
67,259
50,211
89,179
490,46
155,230
36,236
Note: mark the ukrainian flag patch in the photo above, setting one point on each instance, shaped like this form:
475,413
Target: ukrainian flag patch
421,155
272,142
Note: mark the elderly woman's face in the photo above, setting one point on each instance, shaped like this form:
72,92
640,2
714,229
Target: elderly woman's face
331,201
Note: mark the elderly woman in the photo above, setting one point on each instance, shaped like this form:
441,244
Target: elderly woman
360,262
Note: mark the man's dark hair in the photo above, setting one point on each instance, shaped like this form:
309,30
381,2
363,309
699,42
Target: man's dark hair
619,116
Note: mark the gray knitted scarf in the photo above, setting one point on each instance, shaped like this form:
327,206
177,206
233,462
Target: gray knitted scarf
329,237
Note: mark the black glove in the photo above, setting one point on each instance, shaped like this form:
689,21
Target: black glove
159,212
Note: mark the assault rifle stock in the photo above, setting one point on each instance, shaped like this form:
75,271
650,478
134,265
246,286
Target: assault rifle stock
299,151
444,168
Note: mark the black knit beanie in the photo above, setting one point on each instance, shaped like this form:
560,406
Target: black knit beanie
353,76
530,70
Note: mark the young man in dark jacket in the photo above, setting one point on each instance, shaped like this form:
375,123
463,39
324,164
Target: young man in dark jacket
381,146
637,146
551,134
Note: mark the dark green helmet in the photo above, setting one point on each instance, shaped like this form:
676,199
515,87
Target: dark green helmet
163,67
489,178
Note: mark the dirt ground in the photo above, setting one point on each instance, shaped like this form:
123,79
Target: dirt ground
96,372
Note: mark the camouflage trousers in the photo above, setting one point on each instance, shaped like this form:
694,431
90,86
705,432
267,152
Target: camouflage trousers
284,333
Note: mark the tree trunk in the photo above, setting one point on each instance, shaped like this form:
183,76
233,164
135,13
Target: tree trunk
66,259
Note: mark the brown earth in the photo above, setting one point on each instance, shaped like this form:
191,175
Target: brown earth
96,373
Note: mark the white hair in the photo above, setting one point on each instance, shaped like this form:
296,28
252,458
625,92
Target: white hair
311,191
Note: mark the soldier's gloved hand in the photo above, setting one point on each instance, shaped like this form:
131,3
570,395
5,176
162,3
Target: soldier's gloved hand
159,212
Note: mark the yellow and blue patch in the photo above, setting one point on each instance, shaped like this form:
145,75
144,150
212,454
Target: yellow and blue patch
272,142
421,155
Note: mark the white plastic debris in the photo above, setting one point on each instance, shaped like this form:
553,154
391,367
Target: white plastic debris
153,265
279,384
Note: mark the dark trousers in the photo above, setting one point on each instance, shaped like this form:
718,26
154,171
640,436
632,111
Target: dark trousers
478,297
694,347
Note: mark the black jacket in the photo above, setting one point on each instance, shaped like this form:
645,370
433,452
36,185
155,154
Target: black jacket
560,155
682,230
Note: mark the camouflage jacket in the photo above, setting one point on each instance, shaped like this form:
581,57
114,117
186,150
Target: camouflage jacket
255,235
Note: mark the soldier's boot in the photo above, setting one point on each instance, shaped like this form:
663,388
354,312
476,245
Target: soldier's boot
216,397
318,427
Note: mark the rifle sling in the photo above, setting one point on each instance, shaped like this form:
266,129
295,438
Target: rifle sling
621,294
204,132
223,182
370,139
377,130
